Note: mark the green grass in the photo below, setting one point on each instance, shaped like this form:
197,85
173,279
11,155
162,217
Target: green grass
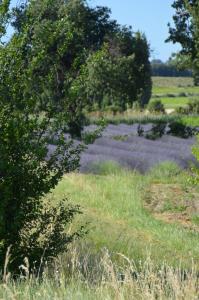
173,102
113,204
190,120
163,86
132,118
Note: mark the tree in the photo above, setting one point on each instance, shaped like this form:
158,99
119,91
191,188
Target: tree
4,9
41,95
29,168
28,172
57,42
53,39
119,73
186,31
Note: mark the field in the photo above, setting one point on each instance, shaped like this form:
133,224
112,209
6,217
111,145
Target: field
117,204
134,249
99,160
174,102
173,86
122,144
140,209
174,92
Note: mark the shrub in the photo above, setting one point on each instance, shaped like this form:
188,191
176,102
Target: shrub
156,106
182,110
193,106
114,109
157,131
90,137
140,130
182,94
28,172
179,129
171,95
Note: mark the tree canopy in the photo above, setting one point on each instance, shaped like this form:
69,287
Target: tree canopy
54,40
186,31
63,57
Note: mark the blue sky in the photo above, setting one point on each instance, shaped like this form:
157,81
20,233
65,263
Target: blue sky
148,16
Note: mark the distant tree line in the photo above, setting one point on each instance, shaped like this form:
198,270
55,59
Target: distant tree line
169,69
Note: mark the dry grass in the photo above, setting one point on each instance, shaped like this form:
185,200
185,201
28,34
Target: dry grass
159,81
174,203
85,277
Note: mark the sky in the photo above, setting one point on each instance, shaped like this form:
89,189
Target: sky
148,16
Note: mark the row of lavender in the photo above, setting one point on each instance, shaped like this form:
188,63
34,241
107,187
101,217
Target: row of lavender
121,144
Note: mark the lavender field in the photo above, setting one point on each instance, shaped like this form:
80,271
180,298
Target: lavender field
120,143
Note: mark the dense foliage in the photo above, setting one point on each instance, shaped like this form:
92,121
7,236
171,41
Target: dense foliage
156,106
29,171
118,75
186,32
62,47
63,57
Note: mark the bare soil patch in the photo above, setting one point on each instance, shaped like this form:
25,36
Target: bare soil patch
174,203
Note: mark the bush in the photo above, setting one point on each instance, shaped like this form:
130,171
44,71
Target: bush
180,130
140,130
45,237
156,106
28,172
171,95
193,106
114,109
182,94
90,137
157,131
182,110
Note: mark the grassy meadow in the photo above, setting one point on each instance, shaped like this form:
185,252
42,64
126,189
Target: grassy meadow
173,86
130,251
174,92
143,229
174,102
115,205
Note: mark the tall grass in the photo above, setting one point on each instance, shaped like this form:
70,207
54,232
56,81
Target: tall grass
127,254
131,117
101,278
113,204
